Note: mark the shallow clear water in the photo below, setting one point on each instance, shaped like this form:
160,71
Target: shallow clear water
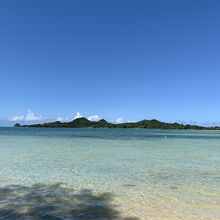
109,174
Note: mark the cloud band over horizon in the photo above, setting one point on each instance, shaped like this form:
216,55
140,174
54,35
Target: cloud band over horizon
31,118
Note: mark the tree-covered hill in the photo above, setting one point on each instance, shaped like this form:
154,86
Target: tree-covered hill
85,123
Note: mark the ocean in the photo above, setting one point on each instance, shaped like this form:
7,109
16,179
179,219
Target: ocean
109,174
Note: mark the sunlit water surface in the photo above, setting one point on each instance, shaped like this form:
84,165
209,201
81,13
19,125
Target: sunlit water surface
147,174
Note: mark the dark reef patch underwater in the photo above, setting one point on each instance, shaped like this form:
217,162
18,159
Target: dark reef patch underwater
54,202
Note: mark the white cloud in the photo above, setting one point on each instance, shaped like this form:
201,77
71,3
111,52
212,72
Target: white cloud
18,118
61,119
78,115
91,118
29,117
32,117
94,118
119,120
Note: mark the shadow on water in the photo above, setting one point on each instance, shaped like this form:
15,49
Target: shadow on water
54,202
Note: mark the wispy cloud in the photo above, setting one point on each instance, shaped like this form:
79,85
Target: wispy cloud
29,117
131,121
32,117
119,120
61,119
18,118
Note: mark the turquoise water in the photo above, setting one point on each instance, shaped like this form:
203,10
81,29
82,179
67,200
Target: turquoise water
109,174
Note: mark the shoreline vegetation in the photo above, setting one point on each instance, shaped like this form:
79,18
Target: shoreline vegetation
85,123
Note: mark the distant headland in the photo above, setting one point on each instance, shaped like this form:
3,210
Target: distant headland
85,123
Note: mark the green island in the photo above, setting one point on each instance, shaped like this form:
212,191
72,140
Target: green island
149,124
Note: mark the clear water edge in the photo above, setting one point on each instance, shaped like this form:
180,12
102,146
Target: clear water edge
153,174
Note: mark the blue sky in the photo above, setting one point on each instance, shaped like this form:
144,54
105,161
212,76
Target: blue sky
115,59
